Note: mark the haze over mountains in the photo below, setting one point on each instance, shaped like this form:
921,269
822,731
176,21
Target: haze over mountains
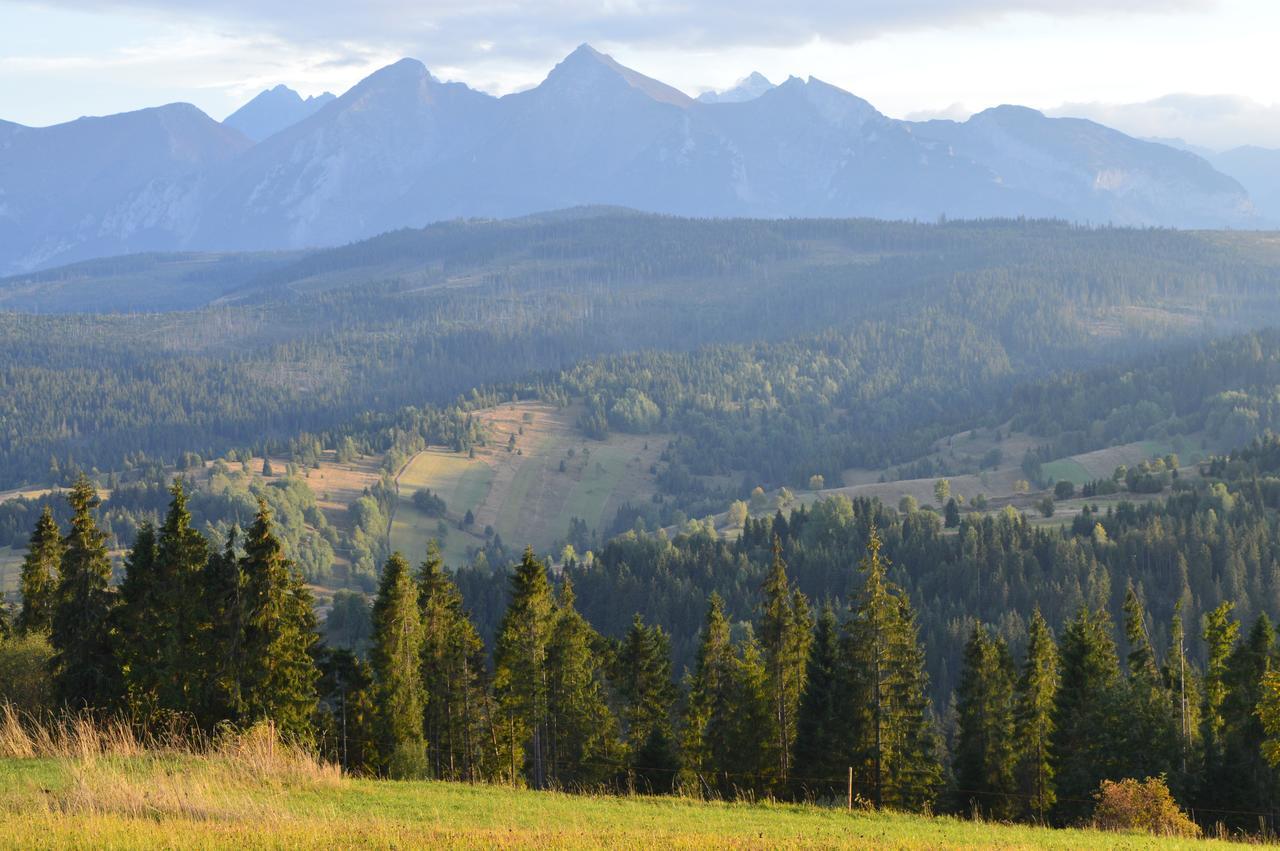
402,148
274,110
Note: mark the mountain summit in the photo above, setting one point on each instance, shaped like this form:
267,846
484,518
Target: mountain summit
749,87
273,110
402,148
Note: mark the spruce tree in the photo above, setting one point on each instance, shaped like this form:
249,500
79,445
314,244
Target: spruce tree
1149,744
727,736
221,646
348,711
396,659
582,742
520,659
1086,712
280,674
984,753
1220,632
85,670
39,579
786,628
1250,783
895,749
648,694
1184,705
1034,728
453,673
138,624
182,554
822,744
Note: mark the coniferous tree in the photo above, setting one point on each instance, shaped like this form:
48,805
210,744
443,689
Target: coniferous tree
1086,712
822,741
1220,632
39,579
1148,743
453,671
396,660
582,742
648,694
786,628
1249,783
896,748
85,670
984,759
348,711
280,674
138,625
1183,688
182,554
221,639
727,736
1034,727
520,675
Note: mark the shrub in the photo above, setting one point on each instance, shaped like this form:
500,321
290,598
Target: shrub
1145,806
24,673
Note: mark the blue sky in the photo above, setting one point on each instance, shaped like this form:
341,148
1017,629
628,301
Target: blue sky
1118,61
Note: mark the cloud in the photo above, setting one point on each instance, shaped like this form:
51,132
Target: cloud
954,112
1216,122
452,31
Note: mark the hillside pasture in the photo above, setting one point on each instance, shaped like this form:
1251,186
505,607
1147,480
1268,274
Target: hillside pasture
534,474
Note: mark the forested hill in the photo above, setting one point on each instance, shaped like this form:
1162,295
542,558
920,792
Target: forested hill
880,320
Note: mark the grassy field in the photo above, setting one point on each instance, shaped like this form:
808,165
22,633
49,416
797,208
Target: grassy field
528,489
177,801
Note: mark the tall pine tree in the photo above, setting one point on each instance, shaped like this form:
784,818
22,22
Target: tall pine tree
85,670
453,672
39,579
822,742
1086,713
1034,728
279,677
895,750
520,675
648,694
396,659
582,742
786,628
984,759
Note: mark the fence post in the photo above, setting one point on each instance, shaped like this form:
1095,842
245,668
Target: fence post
850,804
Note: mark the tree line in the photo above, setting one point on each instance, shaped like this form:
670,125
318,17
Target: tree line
795,701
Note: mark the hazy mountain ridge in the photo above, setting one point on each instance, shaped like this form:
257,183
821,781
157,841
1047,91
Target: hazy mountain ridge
273,110
402,148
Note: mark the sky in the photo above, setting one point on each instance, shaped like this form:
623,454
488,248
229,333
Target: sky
1205,71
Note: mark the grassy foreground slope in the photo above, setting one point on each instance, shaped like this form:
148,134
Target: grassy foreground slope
185,802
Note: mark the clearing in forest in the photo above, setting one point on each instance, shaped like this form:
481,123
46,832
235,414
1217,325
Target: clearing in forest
535,473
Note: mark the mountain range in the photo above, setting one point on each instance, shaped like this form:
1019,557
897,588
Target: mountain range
403,148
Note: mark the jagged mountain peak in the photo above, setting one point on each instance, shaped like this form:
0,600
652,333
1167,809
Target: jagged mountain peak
587,68
748,88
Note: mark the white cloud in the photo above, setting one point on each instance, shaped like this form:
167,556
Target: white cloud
1217,122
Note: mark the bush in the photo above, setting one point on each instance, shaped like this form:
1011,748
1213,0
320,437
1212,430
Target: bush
24,673
1145,806
429,503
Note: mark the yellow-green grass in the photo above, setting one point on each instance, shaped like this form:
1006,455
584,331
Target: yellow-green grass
1066,469
148,802
528,492
460,481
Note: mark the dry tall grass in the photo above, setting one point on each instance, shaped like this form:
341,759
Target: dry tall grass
113,770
